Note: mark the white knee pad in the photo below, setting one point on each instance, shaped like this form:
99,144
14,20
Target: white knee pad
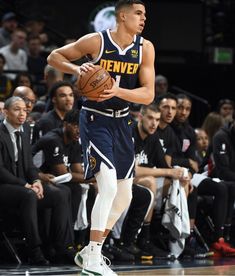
121,201
107,188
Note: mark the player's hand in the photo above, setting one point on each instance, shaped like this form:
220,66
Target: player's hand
46,177
177,173
108,94
85,67
38,189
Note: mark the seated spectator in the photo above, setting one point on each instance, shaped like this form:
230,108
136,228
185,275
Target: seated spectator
51,76
226,109
23,79
62,154
36,59
204,184
27,94
178,155
35,27
150,165
29,97
5,82
62,97
223,153
161,85
9,24
202,143
21,189
15,55
211,124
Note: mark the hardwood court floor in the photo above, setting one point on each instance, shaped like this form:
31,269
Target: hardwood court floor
222,266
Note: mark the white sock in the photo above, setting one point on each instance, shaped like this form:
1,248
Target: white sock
94,252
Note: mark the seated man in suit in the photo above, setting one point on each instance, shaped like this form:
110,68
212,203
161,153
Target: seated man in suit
21,189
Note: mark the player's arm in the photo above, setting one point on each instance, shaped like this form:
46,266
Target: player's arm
61,169
145,93
175,173
78,173
62,58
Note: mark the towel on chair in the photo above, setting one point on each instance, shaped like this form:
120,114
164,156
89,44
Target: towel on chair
176,217
82,221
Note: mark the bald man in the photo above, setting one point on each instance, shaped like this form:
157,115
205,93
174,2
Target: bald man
27,94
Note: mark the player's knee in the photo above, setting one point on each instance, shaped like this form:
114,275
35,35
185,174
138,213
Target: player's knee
107,182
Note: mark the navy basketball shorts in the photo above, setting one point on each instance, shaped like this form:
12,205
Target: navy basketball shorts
108,140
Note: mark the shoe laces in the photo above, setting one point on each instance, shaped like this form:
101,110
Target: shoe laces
106,262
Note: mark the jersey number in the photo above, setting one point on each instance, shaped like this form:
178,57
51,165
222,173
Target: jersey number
118,79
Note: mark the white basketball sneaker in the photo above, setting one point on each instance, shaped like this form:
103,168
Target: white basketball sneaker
97,269
81,258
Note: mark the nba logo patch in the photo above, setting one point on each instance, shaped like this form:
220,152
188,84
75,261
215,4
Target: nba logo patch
186,144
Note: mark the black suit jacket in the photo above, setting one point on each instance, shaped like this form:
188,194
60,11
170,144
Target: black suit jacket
7,160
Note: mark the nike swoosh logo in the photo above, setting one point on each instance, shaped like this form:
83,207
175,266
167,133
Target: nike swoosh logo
109,52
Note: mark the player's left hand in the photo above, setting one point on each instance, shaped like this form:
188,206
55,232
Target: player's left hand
38,188
108,94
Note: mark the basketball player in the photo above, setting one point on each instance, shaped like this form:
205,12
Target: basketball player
105,125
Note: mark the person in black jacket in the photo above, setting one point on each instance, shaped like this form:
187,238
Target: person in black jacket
62,154
150,165
186,141
223,144
224,151
21,189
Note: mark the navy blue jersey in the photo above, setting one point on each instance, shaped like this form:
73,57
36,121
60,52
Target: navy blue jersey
123,66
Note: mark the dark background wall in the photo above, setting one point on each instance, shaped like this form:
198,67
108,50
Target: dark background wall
179,30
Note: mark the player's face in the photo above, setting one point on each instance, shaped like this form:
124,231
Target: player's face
168,110
72,131
16,114
135,18
64,98
202,140
226,110
30,101
183,110
150,121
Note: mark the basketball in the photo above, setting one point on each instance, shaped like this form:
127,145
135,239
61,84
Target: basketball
94,82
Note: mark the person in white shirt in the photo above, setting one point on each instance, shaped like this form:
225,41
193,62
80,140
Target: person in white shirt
15,55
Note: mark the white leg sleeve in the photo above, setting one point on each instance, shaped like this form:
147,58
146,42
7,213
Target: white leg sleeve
107,188
121,201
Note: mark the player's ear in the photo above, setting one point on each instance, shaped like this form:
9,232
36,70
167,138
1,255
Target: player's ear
122,16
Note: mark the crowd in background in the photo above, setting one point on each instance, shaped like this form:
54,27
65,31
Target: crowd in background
166,146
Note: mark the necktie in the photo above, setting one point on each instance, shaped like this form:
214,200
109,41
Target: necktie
20,168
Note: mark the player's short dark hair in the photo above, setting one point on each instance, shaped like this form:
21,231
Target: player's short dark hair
153,107
183,96
56,86
225,101
126,3
167,95
72,116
